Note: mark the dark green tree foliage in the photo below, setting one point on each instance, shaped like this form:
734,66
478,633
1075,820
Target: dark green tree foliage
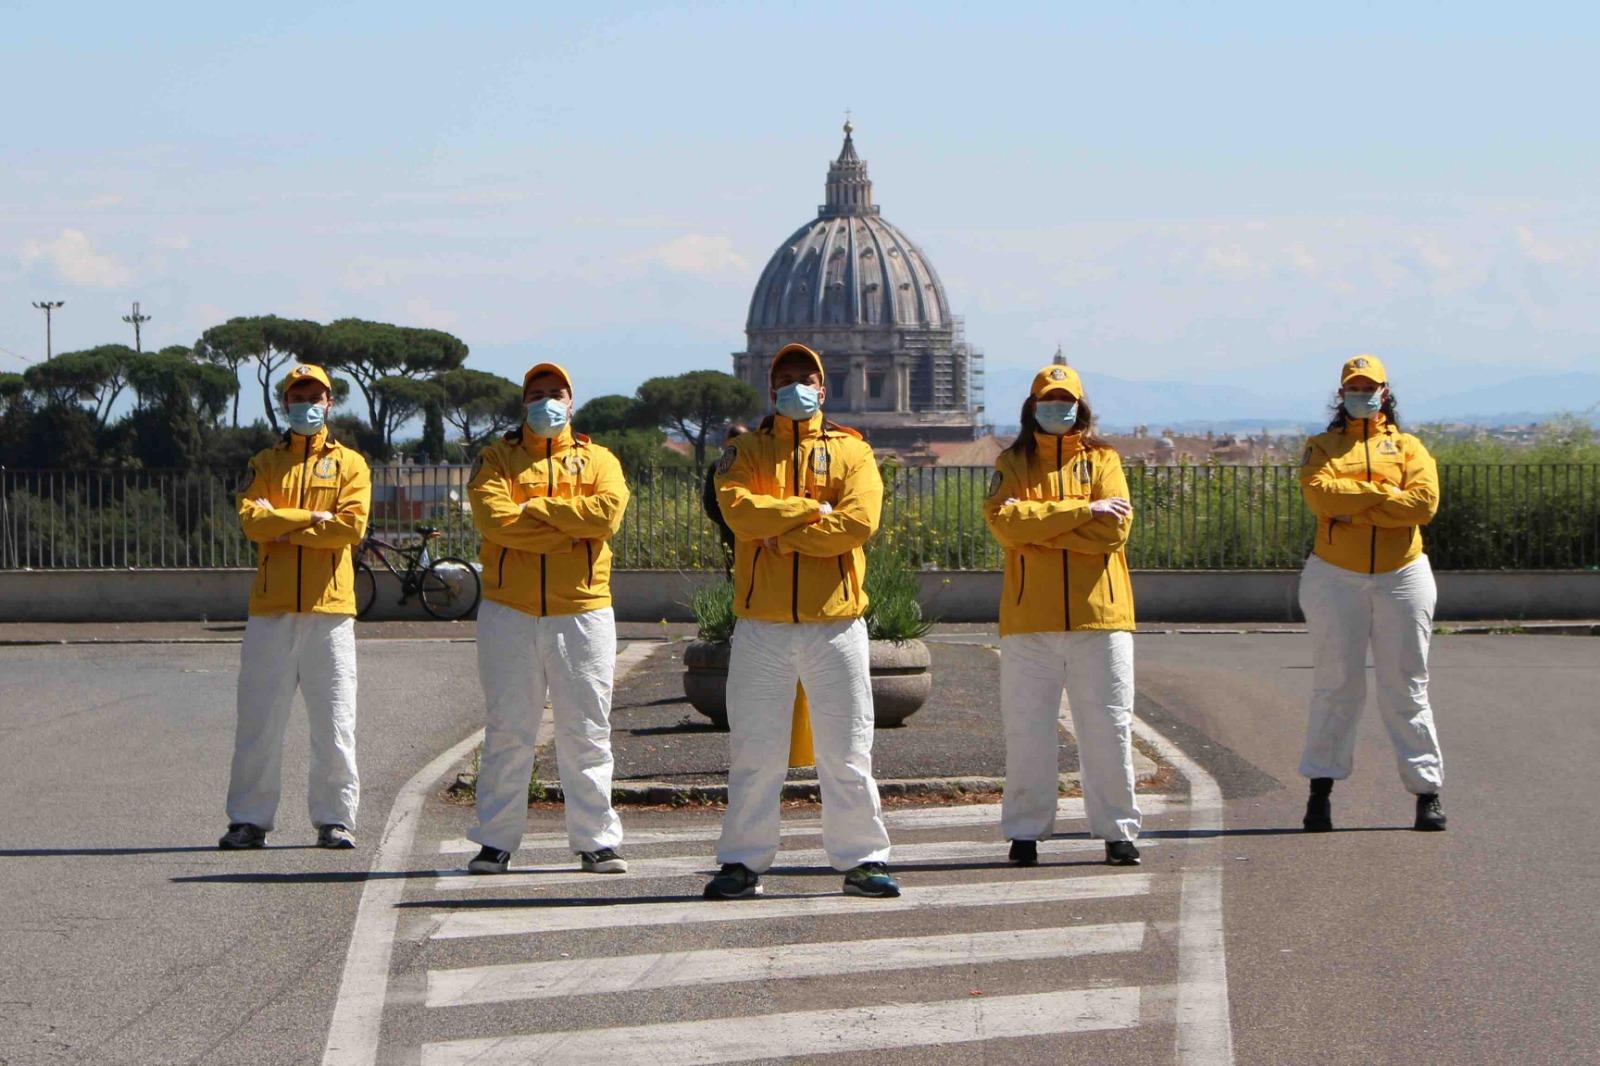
374,352
95,376
479,405
611,414
432,446
698,405
399,400
271,342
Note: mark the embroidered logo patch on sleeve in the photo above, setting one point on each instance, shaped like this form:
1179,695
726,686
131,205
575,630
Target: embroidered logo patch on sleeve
245,479
725,460
477,467
994,483
1305,456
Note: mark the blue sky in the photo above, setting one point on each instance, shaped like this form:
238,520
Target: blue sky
1234,194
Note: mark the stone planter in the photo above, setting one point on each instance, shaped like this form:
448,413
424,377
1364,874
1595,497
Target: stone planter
901,682
705,679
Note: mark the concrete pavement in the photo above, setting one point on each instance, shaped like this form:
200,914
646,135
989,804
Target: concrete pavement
128,939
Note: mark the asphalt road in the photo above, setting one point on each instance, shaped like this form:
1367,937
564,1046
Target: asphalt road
128,939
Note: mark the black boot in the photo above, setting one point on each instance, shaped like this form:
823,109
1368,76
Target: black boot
1319,807
1024,852
1430,816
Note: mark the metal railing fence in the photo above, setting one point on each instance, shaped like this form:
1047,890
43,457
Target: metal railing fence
1493,516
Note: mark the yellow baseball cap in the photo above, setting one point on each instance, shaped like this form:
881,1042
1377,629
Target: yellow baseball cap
547,368
306,372
796,349
1056,376
1364,366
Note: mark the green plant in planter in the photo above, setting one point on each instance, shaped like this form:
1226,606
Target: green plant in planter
893,612
713,612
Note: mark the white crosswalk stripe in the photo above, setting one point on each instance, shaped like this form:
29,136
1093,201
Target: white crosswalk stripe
522,921
770,1036
633,973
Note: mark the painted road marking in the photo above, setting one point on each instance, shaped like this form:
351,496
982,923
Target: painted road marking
923,818
358,1009
666,969
1204,1020
774,1036
903,858
546,916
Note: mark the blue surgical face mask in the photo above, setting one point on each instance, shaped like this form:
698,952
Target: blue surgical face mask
1056,416
547,417
1362,404
307,418
798,402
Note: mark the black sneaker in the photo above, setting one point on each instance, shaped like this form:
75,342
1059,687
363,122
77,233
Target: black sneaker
1025,852
734,881
1319,806
604,861
490,861
871,879
1430,816
1121,853
242,835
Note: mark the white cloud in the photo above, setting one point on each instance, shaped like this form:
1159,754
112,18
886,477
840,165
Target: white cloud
1537,250
176,242
98,203
696,254
1230,259
421,311
74,260
1300,258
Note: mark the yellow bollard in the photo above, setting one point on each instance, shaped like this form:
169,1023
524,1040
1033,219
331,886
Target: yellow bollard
800,753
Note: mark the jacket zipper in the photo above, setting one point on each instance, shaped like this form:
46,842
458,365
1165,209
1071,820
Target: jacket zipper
1022,575
1366,433
794,582
1110,586
300,552
549,490
333,571
751,591
1066,580
500,576
588,553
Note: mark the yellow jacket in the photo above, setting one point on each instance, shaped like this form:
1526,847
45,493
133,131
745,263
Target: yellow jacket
772,483
552,556
1372,489
301,567
1065,567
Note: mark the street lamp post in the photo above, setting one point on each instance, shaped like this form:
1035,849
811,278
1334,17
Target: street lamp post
137,320
47,306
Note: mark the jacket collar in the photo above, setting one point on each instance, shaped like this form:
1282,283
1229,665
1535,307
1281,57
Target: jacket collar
539,447
787,429
1071,443
1376,424
295,442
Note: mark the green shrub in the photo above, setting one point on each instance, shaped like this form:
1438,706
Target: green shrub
713,612
893,611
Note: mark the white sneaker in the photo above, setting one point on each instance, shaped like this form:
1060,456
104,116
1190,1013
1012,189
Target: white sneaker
335,836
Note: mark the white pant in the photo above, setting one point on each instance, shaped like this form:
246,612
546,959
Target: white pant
520,658
315,653
831,660
1097,669
1392,612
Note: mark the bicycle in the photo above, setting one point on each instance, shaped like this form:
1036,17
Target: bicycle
448,587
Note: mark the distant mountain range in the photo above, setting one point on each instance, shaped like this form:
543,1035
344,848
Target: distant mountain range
1194,407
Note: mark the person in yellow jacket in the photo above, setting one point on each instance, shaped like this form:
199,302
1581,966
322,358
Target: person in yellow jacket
1367,582
802,496
304,503
547,502
1058,504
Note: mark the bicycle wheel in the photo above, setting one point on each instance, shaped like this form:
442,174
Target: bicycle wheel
449,589
366,589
